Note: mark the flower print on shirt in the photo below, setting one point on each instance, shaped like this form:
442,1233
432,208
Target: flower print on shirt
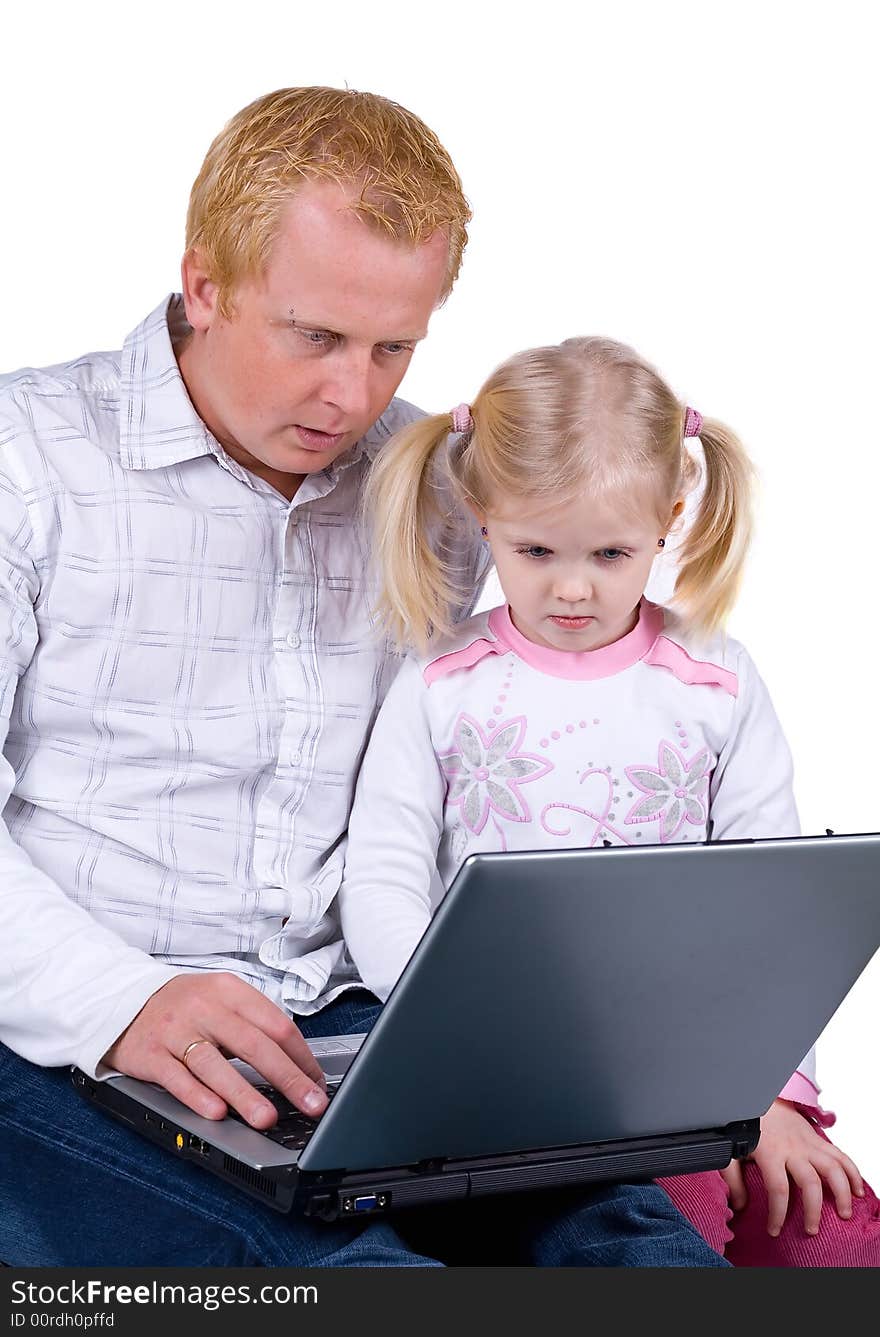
484,772
675,790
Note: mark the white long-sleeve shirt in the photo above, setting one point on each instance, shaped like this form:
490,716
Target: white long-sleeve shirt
495,743
189,669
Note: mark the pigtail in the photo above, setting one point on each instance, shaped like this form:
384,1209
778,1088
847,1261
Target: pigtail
405,502
712,555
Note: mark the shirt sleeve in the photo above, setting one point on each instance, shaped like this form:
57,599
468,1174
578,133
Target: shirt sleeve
752,797
390,886
68,986
751,794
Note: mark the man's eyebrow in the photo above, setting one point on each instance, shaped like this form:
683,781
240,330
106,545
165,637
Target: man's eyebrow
321,325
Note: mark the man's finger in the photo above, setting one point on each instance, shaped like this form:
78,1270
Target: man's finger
269,1019
296,1047
212,1071
270,1060
180,1082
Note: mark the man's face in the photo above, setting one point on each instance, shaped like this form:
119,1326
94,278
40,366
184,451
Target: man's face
316,345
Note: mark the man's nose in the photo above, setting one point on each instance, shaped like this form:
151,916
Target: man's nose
348,383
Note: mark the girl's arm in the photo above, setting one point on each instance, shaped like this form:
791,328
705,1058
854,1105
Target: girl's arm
751,796
390,886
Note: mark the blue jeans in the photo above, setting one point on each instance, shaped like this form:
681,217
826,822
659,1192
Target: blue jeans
79,1189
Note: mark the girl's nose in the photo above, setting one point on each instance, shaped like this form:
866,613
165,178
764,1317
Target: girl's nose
573,588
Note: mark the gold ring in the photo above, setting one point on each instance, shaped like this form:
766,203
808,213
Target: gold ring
192,1044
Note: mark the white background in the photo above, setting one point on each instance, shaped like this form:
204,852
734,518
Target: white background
697,179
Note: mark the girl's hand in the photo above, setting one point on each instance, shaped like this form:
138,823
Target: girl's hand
790,1149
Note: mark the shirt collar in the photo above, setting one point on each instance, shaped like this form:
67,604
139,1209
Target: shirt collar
585,664
158,424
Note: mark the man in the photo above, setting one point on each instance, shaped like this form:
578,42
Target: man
190,671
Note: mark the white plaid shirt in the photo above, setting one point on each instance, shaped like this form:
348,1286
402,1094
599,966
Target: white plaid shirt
189,671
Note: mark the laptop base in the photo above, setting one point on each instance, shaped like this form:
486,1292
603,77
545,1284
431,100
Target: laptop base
369,1193
333,1194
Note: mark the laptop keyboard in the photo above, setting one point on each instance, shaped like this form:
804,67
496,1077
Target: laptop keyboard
293,1128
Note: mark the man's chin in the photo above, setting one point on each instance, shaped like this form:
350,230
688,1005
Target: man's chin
299,456
295,459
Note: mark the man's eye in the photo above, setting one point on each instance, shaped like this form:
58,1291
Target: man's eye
394,350
316,338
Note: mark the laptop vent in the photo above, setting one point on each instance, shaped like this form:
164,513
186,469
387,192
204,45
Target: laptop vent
251,1177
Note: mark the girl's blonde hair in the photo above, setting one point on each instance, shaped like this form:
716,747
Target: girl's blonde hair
403,181
587,415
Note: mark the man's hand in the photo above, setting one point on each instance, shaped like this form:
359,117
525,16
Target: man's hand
790,1150
234,1019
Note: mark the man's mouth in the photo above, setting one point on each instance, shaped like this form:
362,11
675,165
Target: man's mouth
312,439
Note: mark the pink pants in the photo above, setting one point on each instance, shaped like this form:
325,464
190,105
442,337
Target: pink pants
742,1236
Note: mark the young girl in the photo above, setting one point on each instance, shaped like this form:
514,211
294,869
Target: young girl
581,713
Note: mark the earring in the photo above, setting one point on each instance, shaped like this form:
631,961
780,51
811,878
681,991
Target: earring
484,531
661,543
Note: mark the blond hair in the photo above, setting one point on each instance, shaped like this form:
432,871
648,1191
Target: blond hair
587,415
402,179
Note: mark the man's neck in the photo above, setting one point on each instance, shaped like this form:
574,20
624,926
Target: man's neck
287,484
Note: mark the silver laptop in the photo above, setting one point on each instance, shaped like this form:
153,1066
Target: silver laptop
570,1016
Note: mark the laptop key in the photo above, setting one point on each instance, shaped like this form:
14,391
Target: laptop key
293,1128
294,1141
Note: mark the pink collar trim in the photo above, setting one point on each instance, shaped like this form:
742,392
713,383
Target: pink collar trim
582,664
460,659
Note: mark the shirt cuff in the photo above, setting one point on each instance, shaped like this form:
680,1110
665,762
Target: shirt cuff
801,1092
126,1008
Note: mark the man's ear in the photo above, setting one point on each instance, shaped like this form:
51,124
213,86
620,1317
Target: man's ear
201,295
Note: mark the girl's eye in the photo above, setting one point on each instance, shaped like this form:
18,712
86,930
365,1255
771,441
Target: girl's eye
535,550
611,554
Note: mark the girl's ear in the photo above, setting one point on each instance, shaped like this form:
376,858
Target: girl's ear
675,517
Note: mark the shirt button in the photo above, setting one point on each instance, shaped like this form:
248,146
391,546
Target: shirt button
295,758
293,640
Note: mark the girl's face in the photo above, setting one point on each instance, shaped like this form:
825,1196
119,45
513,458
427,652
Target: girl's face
573,574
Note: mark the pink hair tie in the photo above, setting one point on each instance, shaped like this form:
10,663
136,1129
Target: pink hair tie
693,421
461,418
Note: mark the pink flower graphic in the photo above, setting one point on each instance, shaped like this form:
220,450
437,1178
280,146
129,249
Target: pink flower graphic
484,773
675,790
